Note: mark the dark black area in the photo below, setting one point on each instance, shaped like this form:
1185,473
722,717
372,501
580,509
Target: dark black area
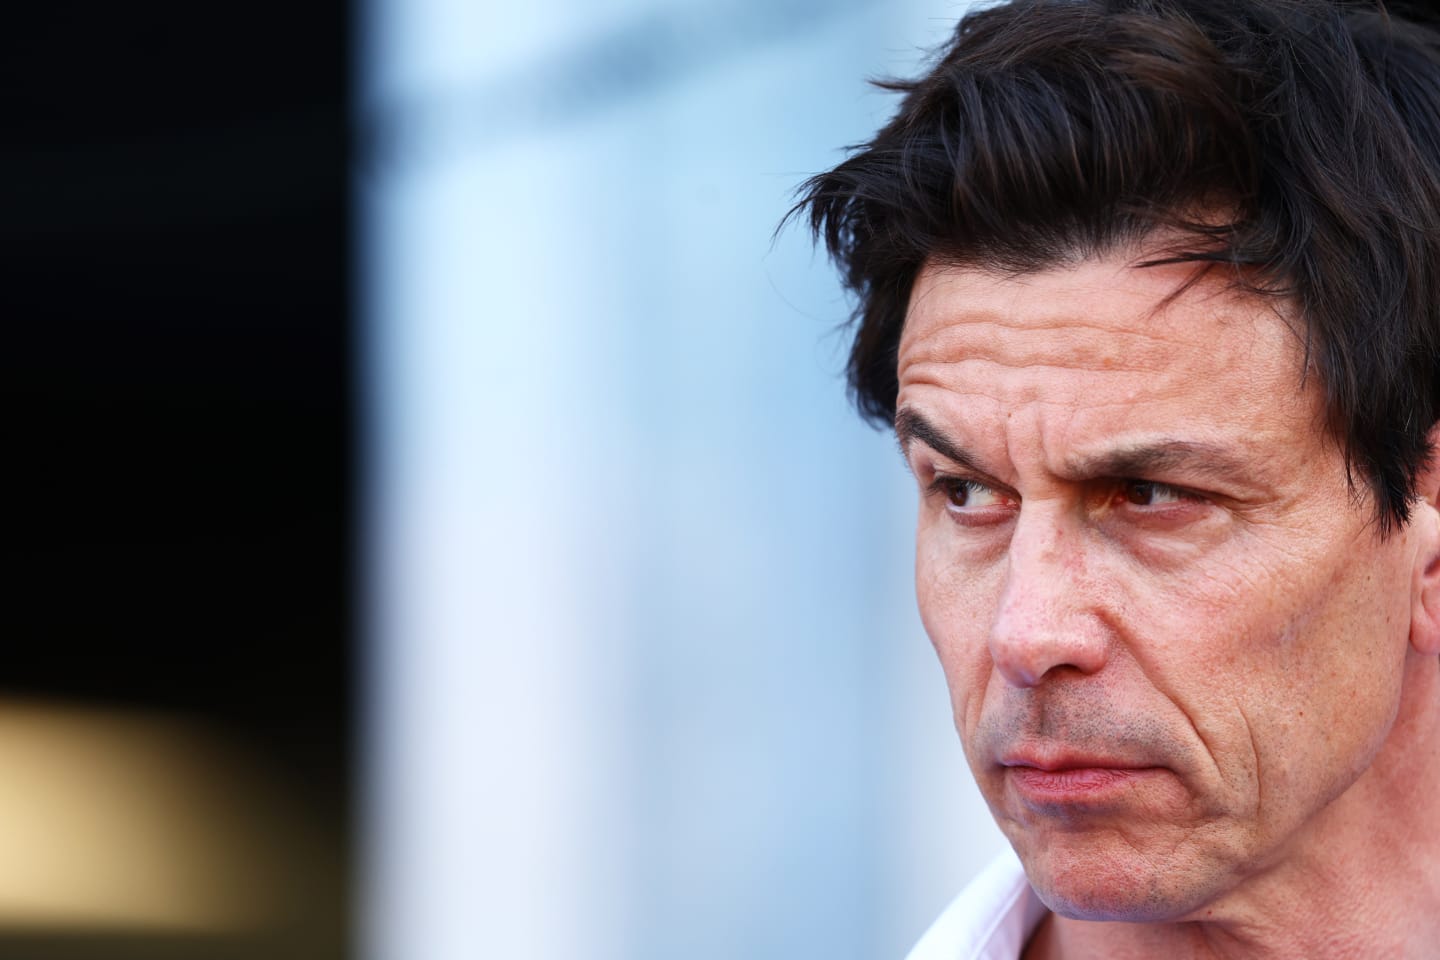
1425,11
177,446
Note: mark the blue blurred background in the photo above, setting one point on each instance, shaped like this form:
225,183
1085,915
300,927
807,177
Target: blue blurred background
643,676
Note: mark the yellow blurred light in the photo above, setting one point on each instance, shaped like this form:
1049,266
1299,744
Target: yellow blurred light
115,820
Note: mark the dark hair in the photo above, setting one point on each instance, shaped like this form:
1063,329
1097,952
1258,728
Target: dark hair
1055,129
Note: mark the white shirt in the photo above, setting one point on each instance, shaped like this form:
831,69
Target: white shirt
991,919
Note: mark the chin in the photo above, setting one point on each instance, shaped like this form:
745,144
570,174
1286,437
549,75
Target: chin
1115,887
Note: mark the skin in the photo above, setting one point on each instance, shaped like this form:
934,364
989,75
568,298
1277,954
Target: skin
1137,549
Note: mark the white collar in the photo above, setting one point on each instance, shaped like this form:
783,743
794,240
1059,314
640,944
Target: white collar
991,919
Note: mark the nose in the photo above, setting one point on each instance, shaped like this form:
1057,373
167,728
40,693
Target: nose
1049,616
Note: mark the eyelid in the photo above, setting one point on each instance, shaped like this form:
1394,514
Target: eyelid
939,479
923,460
942,479
941,484
1179,493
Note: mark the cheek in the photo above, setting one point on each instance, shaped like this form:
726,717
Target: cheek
1287,666
1344,672
957,605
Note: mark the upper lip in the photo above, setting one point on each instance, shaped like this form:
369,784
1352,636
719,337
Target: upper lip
1053,759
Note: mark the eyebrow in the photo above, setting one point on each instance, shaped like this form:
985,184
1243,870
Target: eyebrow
910,426
1203,461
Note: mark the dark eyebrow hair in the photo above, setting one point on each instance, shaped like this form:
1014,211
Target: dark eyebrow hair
1143,459
1202,460
911,426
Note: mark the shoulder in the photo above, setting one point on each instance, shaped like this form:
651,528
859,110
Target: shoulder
990,920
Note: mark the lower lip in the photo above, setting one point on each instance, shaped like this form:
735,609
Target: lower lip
1077,785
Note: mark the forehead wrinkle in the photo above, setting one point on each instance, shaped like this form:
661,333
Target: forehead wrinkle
1132,368
1061,345
990,316
1050,323
965,378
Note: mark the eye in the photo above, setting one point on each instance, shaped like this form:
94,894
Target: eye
1147,493
963,495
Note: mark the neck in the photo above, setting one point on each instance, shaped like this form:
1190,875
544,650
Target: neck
1362,880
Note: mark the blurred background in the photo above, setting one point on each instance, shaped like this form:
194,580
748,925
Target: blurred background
437,525
645,676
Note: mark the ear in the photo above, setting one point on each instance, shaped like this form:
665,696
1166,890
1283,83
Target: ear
1424,528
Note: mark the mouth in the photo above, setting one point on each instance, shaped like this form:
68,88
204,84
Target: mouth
1072,781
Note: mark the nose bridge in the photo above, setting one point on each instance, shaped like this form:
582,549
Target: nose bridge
1046,617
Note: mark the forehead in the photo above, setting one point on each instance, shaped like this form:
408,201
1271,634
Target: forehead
1105,345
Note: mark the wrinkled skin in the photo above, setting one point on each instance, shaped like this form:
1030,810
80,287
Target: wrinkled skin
1138,557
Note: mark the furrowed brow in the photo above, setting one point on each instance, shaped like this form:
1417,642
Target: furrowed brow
911,427
1199,460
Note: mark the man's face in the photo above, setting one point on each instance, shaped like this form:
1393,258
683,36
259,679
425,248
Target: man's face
1172,635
